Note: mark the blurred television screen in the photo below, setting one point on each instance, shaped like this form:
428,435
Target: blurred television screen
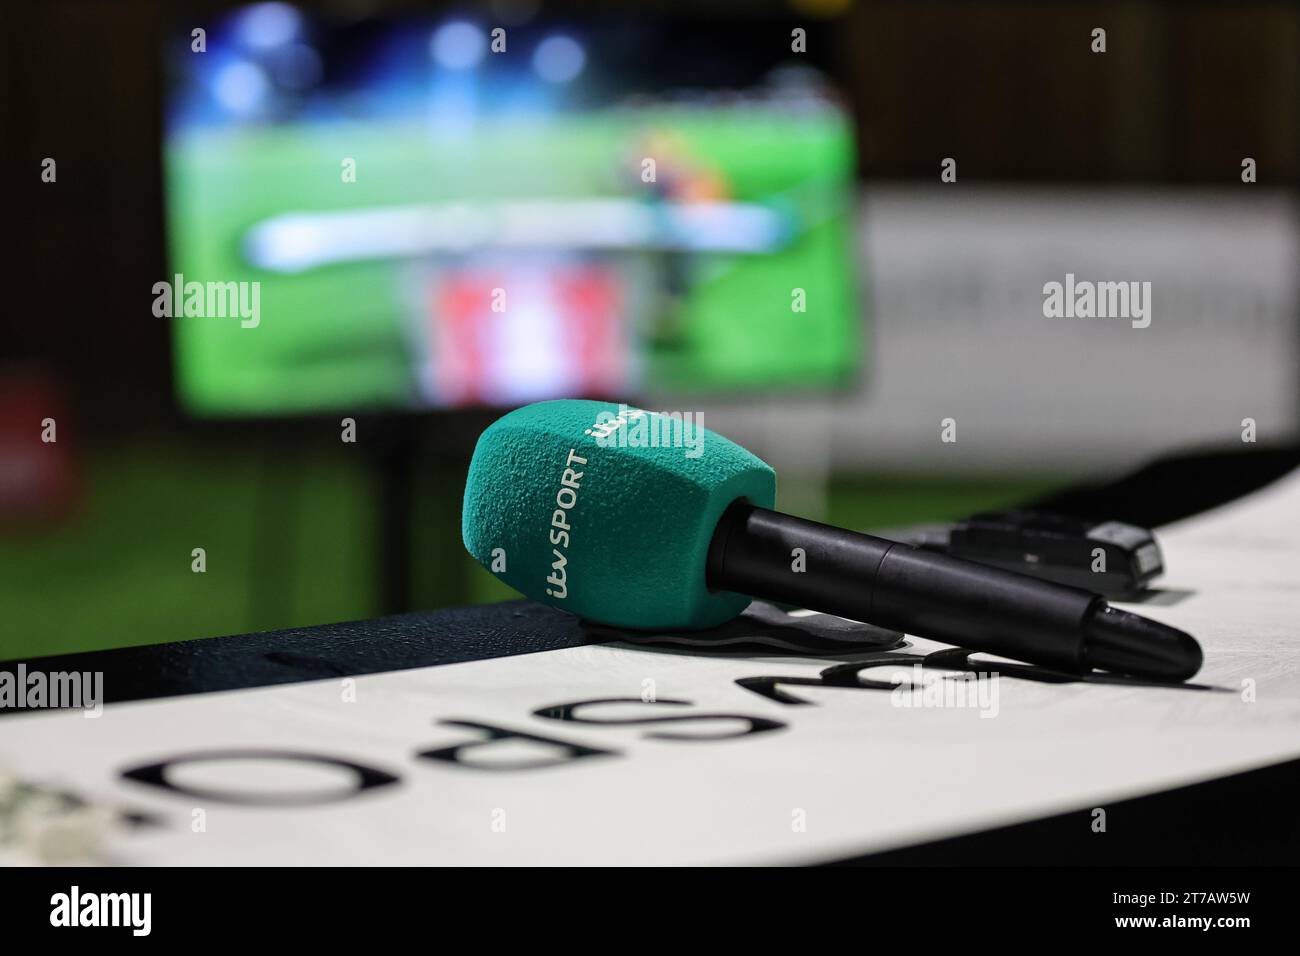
443,212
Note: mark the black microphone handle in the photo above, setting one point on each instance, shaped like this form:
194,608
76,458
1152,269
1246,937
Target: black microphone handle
896,586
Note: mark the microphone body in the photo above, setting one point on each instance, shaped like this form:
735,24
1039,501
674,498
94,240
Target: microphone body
594,508
896,586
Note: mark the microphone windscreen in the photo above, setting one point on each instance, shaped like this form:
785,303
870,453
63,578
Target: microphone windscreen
608,511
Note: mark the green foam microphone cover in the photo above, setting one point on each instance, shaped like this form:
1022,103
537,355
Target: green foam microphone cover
608,511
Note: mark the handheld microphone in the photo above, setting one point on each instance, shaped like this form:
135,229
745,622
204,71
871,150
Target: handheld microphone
641,520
